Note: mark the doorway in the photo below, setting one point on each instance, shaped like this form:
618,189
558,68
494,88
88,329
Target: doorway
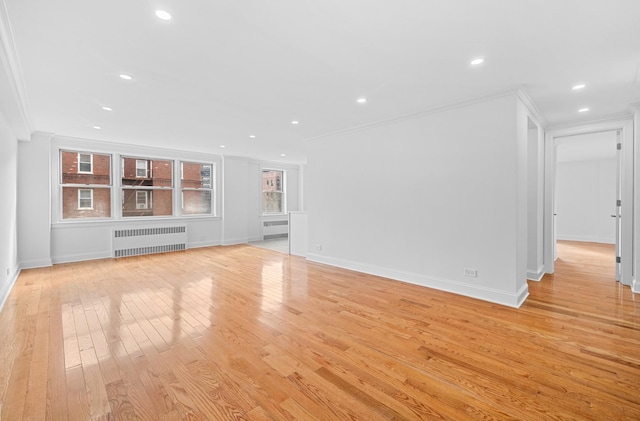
624,253
587,186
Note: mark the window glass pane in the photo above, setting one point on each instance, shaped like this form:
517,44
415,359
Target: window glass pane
272,202
272,191
271,180
147,172
86,203
85,163
158,202
196,176
196,202
142,199
85,168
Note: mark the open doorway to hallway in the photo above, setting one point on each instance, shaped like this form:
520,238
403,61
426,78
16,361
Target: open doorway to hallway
586,190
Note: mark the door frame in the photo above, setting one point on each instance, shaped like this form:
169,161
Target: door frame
625,125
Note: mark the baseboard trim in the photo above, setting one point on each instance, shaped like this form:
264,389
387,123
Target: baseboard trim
81,257
535,275
202,244
6,290
234,241
501,297
586,239
635,286
33,264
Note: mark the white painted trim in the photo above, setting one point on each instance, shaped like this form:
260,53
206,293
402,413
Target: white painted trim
415,115
10,61
81,257
535,113
234,241
202,244
33,264
635,286
586,239
536,275
626,125
474,291
4,294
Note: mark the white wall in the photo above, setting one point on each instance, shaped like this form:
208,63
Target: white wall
34,202
236,199
423,199
635,285
535,202
585,200
8,208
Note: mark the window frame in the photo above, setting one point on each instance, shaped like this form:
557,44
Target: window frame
282,191
211,189
78,184
108,171
80,198
90,163
146,199
146,168
122,188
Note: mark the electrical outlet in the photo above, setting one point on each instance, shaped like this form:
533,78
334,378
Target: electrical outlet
318,247
472,273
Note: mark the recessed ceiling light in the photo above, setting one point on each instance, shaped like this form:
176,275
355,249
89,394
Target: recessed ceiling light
583,110
125,76
97,127
252,136
477,61
107,108
283,154
578,87
223,146
163,14
361,100
295,122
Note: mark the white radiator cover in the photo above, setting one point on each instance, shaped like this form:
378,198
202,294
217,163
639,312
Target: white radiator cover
148,240
275,229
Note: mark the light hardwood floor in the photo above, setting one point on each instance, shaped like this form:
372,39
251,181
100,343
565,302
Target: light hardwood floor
240,332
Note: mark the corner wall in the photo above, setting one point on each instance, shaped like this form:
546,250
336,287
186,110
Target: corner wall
422,200
8,210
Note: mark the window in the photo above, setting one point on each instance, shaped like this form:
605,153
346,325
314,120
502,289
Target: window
146,187
141,168
142,199
85,163
85,184
85,198
273,191
196,182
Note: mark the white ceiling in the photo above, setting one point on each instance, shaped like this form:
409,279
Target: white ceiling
223,70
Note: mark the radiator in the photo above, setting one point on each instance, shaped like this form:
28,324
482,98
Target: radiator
138,241
275,229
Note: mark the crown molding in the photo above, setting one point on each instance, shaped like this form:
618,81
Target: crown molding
416,115
612,120
16,107
531,106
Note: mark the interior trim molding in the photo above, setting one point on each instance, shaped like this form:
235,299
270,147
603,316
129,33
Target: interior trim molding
532,107
4,293
591,126
536,275
434,110
505,298
10,61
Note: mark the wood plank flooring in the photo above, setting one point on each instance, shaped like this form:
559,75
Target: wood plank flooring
244,333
